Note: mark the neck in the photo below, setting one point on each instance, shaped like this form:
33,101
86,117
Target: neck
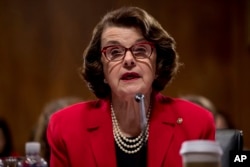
128,115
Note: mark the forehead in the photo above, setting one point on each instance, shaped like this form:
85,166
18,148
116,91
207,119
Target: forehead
121,35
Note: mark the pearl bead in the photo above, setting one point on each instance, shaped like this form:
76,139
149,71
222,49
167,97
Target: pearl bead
127,145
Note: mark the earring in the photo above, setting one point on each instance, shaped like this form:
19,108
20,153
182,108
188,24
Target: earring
105,81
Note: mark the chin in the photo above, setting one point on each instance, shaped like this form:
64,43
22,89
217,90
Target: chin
127,93
131,92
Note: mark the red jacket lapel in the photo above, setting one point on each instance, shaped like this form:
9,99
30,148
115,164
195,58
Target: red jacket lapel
161,131
101,135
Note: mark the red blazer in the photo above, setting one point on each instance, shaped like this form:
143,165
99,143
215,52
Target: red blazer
81,135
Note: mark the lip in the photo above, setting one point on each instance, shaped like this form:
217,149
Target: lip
130,76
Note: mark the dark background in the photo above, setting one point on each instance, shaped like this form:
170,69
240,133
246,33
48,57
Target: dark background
42,41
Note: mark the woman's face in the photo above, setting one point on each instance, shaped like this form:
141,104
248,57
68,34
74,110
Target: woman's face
129,75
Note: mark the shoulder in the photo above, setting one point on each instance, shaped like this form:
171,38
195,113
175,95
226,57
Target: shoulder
190,109
77,117
182,106
79,108
196,122
78,113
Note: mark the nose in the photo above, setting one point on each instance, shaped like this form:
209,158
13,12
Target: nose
129,59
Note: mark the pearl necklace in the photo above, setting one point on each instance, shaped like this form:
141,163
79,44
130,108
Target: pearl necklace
127,145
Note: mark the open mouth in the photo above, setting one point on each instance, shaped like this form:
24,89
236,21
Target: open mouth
130,76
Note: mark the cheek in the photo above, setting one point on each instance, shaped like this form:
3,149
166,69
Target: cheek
153,65
105,70
104,66
110,70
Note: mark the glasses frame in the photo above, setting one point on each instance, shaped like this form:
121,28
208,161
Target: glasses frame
104,49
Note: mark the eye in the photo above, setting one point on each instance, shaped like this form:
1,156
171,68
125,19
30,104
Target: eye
141,49
114,51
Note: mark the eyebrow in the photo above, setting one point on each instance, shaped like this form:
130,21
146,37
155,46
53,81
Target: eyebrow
113,42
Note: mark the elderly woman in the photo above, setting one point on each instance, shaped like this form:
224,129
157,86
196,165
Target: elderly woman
128,61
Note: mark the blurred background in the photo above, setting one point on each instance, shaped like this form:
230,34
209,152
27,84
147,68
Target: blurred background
42,41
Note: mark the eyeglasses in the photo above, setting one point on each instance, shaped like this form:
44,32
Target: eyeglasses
139,51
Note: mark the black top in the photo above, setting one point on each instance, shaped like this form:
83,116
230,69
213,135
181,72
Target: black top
138,159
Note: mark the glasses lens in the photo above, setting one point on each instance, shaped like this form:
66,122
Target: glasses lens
115,53
141,51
